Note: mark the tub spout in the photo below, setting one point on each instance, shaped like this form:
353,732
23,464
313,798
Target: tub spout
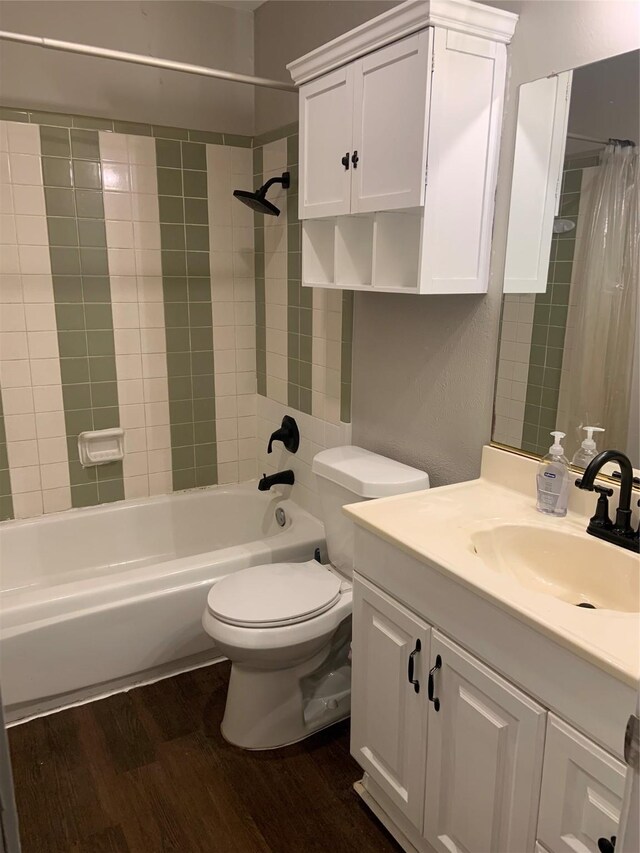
284,478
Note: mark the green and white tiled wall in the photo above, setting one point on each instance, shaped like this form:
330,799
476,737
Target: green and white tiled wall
130,295
532,338
304,334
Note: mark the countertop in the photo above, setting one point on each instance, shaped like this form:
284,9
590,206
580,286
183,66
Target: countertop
435,527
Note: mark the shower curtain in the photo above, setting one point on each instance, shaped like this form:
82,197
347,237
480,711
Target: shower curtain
605,308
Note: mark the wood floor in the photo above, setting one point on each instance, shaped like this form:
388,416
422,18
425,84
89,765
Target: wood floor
148,772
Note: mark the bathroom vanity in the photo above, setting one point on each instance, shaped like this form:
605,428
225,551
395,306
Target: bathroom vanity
488,710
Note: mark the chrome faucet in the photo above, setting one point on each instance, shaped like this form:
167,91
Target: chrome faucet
618,532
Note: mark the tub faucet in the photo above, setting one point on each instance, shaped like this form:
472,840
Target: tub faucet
619,532
282,478
288,434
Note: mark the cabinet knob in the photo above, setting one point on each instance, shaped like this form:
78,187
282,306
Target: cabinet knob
345,160
431,683
412,680
355,159
606,846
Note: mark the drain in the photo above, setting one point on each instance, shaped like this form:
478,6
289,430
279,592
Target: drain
587,605
281,517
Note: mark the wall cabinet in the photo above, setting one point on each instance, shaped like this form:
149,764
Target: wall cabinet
363,132
468,762
399,138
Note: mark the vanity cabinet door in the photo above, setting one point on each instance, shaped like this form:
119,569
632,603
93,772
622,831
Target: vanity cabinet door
326,125
392,87
582,790
484,761
388,716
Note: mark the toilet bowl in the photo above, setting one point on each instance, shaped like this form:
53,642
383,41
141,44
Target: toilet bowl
286,627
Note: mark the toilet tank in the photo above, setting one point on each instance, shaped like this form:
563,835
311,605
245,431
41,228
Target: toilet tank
347,475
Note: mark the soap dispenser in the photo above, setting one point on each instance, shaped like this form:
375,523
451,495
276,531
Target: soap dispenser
553,479
588,450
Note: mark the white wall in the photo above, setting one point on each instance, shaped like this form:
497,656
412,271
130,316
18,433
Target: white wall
424,367
203,33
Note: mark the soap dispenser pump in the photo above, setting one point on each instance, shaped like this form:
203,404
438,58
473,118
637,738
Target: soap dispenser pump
553,479
588,450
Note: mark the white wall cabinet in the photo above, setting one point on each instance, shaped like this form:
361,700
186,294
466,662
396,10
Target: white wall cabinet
543,114
363,138
326,122
582,790
469,763
399,138
484,760
389,718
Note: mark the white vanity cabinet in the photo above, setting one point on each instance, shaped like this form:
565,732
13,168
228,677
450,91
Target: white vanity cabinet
484,757
389,717
399,138
468,762
582,790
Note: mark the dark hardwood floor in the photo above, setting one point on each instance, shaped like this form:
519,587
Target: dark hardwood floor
148,771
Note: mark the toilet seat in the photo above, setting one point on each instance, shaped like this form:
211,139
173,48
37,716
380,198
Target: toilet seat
274,595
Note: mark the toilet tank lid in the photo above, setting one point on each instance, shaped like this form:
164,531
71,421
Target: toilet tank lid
367,474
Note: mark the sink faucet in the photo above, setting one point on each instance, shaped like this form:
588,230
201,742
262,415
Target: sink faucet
620,531
284,478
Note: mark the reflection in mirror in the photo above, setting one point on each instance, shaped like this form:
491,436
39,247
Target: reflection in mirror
569,335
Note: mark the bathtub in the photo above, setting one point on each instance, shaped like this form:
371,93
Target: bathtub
100,599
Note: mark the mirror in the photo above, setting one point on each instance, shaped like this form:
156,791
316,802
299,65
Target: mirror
569,334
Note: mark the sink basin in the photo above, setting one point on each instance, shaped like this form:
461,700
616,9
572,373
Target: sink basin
574,568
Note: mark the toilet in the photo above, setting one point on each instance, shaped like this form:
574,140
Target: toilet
286,627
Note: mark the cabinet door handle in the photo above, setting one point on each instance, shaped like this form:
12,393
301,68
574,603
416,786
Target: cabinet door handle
345,161
412,680
355,159
431,685
606,846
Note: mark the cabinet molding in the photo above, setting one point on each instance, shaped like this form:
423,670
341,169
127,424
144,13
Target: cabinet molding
411,16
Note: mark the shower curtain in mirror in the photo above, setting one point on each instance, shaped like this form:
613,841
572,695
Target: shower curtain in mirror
604,310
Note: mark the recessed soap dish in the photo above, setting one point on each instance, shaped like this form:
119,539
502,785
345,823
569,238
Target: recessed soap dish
101,446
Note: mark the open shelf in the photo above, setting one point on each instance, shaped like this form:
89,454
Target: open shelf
354,251
318,252
396,250
373,251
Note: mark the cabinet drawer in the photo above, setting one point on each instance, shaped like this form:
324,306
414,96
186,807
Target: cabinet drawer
582,790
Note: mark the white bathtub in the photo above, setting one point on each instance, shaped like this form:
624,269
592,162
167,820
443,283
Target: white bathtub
99,599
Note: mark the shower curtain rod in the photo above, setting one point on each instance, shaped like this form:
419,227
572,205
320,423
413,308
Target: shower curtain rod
141,59
582,138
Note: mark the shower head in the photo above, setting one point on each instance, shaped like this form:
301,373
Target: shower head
257,201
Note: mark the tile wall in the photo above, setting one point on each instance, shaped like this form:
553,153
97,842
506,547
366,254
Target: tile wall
303,335
131,295
532,337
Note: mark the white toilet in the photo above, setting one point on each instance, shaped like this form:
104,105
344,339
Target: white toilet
286,627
